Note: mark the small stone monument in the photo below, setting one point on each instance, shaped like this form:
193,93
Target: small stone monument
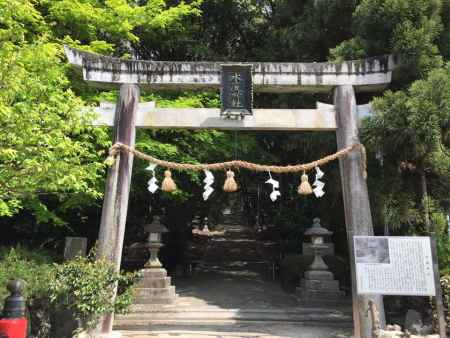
155,287
319,283
75,246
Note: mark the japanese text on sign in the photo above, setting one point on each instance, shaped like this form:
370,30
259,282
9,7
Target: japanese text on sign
394,265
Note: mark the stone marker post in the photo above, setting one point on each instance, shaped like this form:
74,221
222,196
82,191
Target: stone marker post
75,246
358,217
115,205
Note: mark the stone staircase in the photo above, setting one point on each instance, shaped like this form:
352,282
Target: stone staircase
237,250
228,290
144,318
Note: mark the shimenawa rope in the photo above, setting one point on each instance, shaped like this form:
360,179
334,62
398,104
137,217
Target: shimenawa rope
238,164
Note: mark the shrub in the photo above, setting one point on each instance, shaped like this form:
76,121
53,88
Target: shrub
85,287
82,286
33,267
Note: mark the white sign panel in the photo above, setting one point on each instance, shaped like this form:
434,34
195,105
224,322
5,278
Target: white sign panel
394,265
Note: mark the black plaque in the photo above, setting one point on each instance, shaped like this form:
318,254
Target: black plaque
236,91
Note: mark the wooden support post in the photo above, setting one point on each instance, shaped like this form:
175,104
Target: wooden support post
432,231
115,205
439,302
358,217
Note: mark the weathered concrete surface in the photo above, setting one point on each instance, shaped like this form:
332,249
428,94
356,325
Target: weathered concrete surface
371,74
323,118
209,118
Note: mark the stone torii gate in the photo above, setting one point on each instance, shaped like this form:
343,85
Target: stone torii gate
343,79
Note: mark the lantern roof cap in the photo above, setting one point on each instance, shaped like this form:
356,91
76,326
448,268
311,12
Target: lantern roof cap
317,229
155,226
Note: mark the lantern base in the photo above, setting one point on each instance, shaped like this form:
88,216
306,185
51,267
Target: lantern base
155,287
319,284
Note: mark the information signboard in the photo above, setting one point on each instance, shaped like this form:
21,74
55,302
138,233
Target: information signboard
394,265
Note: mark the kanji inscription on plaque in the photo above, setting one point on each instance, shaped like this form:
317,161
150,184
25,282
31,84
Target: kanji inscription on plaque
236,92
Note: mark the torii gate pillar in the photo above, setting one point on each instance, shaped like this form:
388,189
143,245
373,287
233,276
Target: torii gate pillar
117,191
358,218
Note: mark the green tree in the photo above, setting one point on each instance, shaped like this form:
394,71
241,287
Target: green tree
410,29
119,27
45,145
411,128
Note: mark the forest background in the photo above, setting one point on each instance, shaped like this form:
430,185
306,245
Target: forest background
52,173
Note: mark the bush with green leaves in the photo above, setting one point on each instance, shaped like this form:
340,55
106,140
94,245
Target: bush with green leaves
83,286
86,287
35,268
32,266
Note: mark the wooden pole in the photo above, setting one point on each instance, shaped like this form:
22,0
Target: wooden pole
437,281
358,217
442,324
115,205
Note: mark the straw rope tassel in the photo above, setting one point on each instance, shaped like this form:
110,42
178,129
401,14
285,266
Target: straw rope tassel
110,160
168,184
230,184
304,187
112,154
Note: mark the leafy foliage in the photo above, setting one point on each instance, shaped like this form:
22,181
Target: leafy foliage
445,284
410,29
32,266
92,295
410,130
46,146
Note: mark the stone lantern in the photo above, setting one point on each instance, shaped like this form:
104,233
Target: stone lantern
205,225
154,242
318,243
154,286
319,283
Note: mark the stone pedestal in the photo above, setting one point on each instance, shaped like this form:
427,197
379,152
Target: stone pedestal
155,287
320,286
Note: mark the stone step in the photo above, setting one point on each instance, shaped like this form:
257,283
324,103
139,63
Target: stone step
314,284
131,323
152,307
320,295
234,265
141,309
156,292
156,300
